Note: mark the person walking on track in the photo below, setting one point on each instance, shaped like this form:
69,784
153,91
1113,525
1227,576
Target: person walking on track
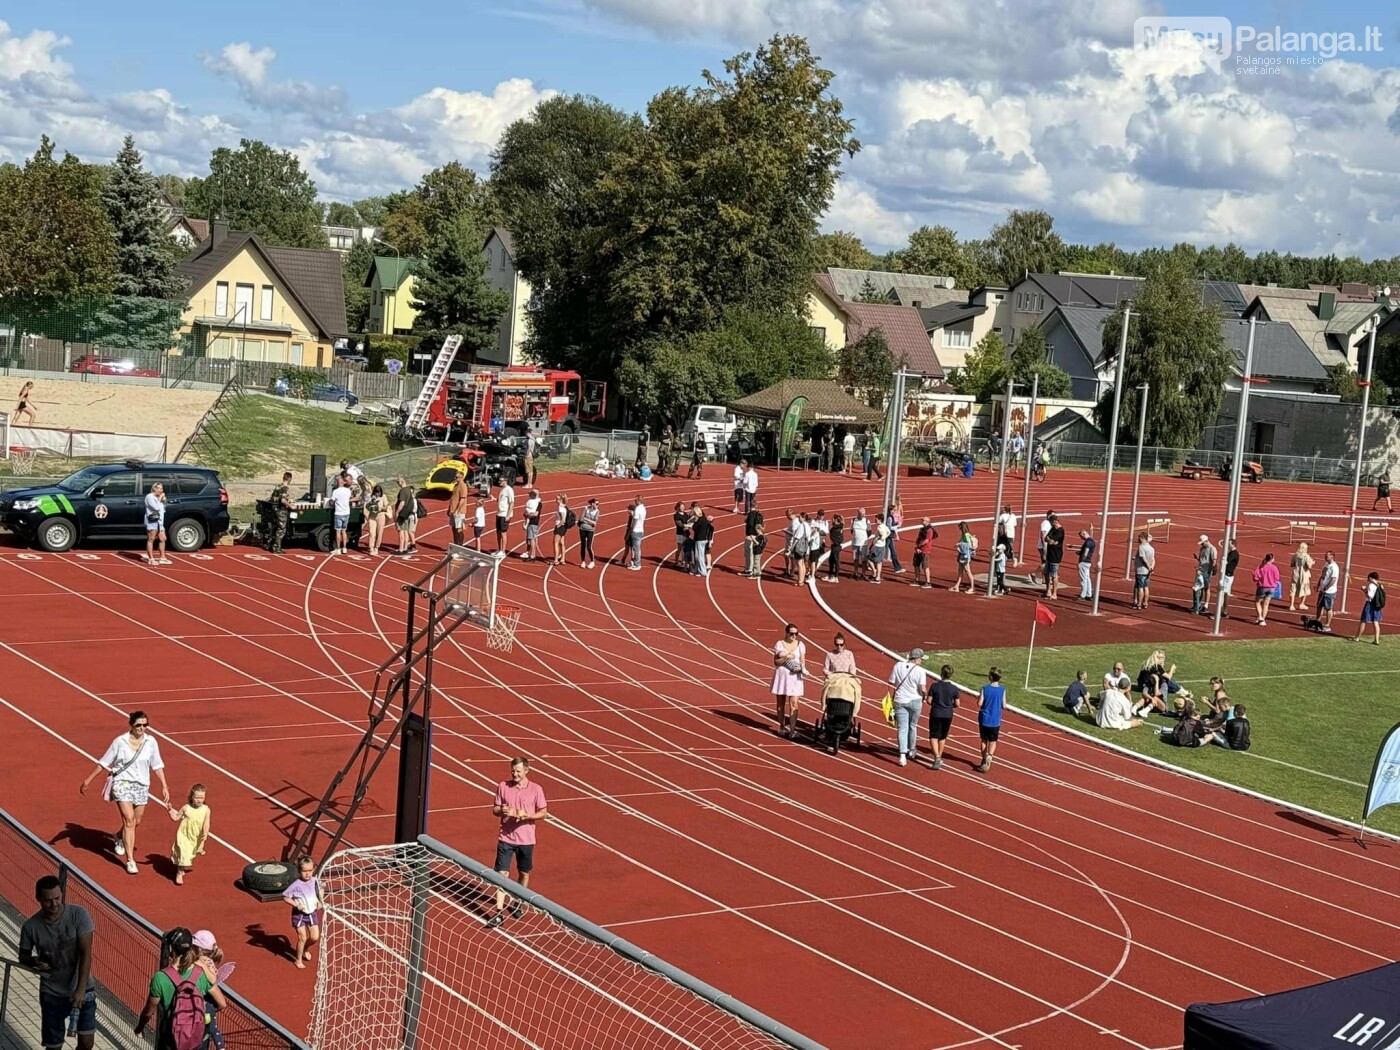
280,500
789,669
520,805
639,528
992,699
129,761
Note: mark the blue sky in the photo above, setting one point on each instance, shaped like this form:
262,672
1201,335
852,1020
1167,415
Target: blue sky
964,114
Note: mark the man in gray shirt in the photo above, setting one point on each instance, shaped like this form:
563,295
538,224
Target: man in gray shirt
57,944
1143,564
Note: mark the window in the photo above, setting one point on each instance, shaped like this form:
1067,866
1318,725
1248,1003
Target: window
503,257
297,350
251,349
221,299
957,337
119,485
711,414
243,302
276,351
820,333
265,307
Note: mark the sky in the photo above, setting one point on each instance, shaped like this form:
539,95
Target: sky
965,108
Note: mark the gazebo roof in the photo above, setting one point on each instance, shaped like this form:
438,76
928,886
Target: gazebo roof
827,402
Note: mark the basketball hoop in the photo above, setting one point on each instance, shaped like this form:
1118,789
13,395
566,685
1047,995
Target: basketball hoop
501,634
21,460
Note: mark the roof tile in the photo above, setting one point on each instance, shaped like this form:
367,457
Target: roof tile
904,331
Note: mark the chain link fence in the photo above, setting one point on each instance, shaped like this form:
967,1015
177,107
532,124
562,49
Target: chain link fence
1323,469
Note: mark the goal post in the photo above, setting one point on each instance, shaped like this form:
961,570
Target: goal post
408,962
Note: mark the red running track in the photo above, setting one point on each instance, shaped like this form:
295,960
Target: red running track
1072,897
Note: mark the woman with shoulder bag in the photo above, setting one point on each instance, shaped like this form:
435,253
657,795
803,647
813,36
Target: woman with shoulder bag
376,519
129,762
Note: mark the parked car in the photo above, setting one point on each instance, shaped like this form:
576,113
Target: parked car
319,392
107,501
95,364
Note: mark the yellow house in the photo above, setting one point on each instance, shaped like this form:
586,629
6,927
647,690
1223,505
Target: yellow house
257,303
498,252
827,313
390,283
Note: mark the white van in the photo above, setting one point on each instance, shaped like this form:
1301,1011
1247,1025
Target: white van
716,422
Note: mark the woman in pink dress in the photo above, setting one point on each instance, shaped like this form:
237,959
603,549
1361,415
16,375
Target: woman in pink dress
1266,580
789,665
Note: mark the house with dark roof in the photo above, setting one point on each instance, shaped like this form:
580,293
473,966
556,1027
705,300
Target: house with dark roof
391,295
1033,298
185,231
954,328
502,273
1074,338
902,289
1280,356
904,330
253,302
1334,329
828,315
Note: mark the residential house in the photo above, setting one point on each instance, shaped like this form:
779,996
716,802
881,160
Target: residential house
390,281
1334,330
827,313
343,238
258,303
185,231
954,328
1074,341
1033,298
501,274
903,289
1280,356
903,328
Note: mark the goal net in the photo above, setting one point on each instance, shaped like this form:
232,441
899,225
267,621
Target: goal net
408,962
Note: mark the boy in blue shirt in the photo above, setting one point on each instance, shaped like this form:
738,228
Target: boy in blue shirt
992,700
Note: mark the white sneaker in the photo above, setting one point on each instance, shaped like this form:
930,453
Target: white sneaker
333,551
903,759
164,561
592,565
131,867
118,847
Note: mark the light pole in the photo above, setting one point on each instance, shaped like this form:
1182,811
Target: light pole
1001,483
1112,453
398,278
1360,451
1030,455
1137,479
1232,505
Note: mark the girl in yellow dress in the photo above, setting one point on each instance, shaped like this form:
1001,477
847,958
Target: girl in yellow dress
192,833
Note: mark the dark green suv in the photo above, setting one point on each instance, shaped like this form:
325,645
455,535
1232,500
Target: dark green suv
107,502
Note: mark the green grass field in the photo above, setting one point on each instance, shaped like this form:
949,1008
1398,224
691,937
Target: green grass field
266,434
1318,708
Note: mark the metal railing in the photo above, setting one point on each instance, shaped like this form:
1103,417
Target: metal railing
1323,469
126,947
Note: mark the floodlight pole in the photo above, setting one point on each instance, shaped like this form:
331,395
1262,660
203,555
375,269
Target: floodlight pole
1030,452
1137,479
1001,483
1232,507
894,444
1360,451
1112,453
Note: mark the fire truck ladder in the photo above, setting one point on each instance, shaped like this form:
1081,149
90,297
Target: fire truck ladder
437,375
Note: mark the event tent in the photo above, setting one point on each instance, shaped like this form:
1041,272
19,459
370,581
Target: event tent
827,402
1361,1011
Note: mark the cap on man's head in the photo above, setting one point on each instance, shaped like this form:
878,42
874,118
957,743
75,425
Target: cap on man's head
1205,538
916,654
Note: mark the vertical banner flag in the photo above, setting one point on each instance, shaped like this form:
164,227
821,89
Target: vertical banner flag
1043,614
1384,789
787,433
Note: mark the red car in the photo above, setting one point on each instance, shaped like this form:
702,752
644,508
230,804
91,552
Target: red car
111,366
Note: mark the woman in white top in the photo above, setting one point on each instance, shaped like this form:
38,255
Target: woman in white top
789,668
129,763
860,538
910,682
1115,708
561,528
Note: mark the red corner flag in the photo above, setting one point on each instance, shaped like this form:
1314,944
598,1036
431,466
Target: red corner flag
1044,614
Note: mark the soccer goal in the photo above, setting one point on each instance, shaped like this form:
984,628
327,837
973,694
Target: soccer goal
408,963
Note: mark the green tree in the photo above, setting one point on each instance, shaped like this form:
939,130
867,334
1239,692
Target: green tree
870,294
452,295
173,186
262,190
1346,384
354,267
1025,241
150,290
371,210
55,237
842,249
1031,357
338,213
868,365
1105,257
936,250
984,371
1175,345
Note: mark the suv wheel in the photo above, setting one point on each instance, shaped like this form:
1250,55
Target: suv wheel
186,535
57,534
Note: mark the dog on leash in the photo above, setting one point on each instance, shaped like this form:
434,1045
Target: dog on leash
1312,623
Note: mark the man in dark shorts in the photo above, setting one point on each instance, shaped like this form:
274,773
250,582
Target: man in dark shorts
943,698
1054,554
1383,493
993,699
406,517
57,944
519,804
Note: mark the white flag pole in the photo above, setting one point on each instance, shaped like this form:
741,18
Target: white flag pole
1031,653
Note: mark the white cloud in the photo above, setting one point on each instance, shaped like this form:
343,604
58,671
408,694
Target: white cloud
855,208
251,72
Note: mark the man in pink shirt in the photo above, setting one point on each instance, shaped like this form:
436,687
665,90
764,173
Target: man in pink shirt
519,804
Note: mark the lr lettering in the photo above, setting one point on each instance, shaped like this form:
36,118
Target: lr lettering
1359,1030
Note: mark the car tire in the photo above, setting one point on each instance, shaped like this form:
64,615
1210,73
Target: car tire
186,536
322,539
342,400
57,535
269,876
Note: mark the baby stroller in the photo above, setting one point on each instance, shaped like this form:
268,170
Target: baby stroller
837,722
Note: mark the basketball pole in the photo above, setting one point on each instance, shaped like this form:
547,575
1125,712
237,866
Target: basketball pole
1112,454
1232,506
1360,451
1026,485
1001,484
1137,479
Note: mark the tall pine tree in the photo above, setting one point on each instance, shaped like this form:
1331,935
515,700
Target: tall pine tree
145,310
450,290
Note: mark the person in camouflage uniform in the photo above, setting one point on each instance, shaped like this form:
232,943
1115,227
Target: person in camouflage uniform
664,466
281,500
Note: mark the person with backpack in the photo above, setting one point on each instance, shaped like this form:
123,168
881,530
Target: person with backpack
177,992
1371,610
564,520
1189,730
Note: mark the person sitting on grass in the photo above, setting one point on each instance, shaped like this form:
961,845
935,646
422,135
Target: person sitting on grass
1189,731
1219,702
1115,707
1076,698
1234,734
1157,683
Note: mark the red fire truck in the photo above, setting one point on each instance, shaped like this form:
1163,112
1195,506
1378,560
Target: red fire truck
514,401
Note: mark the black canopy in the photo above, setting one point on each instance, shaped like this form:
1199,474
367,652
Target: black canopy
1362,1010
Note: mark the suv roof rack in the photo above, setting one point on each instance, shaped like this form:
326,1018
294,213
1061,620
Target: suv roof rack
133,464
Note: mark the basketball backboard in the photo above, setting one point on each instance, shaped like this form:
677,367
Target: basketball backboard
466,579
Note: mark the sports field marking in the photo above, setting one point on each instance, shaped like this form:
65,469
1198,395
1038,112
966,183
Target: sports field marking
912,891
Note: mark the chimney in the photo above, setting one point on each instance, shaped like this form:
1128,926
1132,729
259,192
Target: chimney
1326,306
218,230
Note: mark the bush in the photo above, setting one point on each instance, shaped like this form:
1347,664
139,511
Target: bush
300,381
381,348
